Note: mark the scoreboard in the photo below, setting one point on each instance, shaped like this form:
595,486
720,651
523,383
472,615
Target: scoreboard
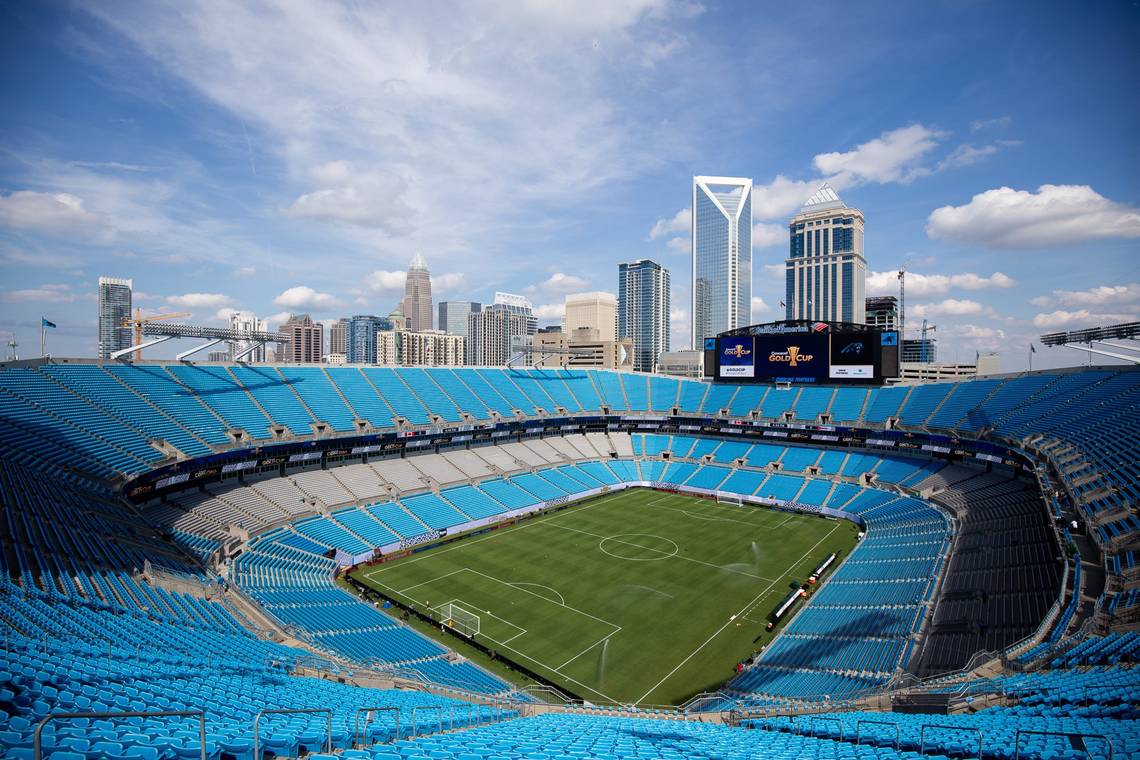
822,354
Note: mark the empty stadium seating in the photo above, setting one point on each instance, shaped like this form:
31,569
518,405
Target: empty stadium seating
89,629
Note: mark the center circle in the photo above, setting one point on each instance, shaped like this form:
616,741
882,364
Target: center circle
638,547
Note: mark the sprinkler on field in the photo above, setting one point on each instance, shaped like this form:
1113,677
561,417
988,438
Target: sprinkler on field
599,676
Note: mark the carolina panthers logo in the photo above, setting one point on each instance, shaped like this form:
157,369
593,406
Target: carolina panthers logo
852,348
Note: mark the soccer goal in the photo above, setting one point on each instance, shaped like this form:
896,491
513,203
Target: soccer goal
724,497
459,618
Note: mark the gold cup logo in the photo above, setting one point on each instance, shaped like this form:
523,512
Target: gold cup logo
792,356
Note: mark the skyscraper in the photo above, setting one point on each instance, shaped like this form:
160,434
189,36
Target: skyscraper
306,339
592,311
247,322
114,307
722,255
826,273
360,337
338,337
494,333
644,303
417,295
453,316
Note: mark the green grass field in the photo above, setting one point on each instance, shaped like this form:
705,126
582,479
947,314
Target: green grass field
638,596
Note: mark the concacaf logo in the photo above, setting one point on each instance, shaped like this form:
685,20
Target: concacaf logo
792,356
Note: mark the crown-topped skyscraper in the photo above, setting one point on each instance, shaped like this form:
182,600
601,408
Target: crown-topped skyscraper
417,296
826,272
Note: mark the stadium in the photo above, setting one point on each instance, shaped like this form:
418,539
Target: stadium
234,561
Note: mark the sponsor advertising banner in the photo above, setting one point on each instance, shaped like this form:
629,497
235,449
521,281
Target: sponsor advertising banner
737,356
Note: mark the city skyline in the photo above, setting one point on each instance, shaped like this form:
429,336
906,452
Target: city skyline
148,150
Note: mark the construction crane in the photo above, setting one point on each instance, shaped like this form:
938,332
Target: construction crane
138,321
902,297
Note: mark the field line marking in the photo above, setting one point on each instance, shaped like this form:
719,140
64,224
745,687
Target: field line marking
501,531
731,619
659,551
558,670
764,524
516,584
433,580
546,599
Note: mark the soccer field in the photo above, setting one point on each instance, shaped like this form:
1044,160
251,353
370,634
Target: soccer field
638,596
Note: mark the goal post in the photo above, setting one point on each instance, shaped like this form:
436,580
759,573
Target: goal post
458,618
724,497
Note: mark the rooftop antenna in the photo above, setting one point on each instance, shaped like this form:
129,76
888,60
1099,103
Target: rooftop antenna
13,344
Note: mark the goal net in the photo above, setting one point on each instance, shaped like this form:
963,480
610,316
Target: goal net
458,618
723,497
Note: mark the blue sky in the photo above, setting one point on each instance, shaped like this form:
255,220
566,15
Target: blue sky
295,157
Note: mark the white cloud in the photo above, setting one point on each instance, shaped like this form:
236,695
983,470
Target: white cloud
560,282
1079,318
952,307
892,157
1000,122
244,272
550,311
383,281
448,281
278,319
1103,294
304,297
975,331
679,223
444,115
1054,215
758,308
680,328
55,213
966,155
365,199
768,235
680,245
917,284
781,197
224,314
42,294
200,300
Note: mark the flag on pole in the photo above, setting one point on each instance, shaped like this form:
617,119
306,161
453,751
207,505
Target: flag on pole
782,305
1032,348
44,324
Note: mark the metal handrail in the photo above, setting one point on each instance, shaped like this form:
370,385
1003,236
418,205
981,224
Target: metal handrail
1021,732
415,726
357,736
37,739
922,735
451,714
812,719
859,729
257,720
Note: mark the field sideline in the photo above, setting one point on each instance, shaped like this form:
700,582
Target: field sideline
638,596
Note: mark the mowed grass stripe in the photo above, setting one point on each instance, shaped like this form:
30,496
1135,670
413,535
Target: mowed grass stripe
612,560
